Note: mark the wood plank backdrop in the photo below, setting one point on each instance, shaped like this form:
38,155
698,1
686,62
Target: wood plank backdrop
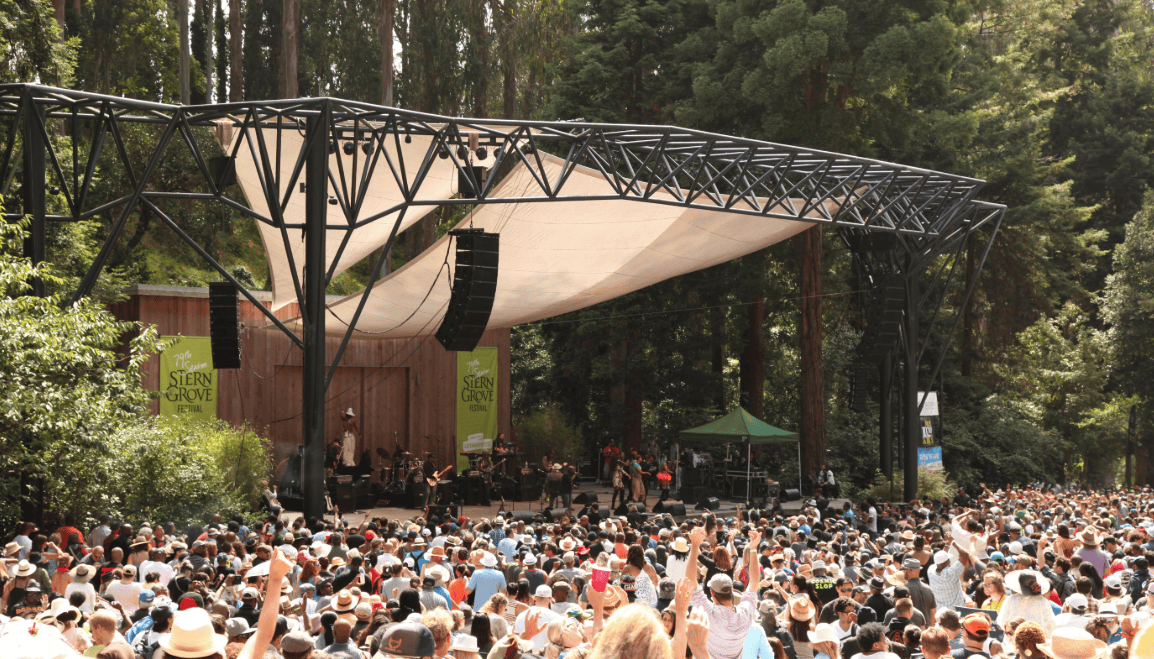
401,390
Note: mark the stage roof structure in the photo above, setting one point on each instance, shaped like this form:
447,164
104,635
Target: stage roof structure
586,211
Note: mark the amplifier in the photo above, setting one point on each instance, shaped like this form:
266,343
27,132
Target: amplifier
473,474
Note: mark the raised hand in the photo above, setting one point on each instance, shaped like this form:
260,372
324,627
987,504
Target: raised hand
685,588
698,633
697,536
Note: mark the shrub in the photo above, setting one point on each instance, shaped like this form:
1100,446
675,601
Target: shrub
931,485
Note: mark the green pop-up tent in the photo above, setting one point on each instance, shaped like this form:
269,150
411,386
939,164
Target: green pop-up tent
741,426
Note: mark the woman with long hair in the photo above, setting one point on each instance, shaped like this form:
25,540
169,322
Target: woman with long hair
495,610
1064,545
799,619
1087,570
721,563
637,474
643,573
563,634
482,630
995,590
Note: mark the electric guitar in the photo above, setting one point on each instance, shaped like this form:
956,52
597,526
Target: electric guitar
436,477
487,472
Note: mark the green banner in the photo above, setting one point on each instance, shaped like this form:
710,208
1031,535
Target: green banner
476,402
187,379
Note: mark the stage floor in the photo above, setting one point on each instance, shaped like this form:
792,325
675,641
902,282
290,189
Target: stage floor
604,493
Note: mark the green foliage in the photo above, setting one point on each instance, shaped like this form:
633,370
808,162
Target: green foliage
935,485
31,46
161,470
547,428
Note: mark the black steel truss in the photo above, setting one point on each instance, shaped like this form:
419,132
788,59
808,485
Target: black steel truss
928,213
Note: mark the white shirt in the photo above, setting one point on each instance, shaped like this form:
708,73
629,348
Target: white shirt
89,594
873,513
349,449
128,594
547,616
875,655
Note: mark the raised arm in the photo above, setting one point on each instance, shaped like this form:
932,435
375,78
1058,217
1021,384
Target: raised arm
266,624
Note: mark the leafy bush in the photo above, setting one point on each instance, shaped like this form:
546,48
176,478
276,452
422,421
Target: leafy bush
931,485
164,470
548,428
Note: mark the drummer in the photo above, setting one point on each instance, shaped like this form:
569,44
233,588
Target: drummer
502,446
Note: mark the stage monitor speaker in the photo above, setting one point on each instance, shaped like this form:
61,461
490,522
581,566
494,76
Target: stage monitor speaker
626,508
474,286
584,511
670,508
585,497
792,495
526,516
708,503
554,514
223,325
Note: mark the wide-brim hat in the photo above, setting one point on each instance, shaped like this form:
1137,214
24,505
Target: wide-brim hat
489,560
823,633
82,573
1088,537
800,608
568,544
344,602
1013,581
1073,643
437,551
465,643
11,549
25,569
193,635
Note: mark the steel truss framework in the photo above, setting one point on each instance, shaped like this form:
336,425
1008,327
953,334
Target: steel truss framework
928,213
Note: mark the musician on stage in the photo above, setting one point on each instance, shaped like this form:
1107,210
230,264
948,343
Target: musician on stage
349,442
431,474
485,465
502,446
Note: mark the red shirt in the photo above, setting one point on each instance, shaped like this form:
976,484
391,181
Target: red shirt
65,531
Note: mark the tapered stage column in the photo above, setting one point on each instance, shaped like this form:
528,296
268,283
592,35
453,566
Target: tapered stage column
886,416
313,313
912,432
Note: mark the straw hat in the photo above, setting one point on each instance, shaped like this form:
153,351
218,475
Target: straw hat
1088,537
11,549
465,643
680,545
568,544
25,569
824,633
344,602
1073,643
800,608
82,573
192,635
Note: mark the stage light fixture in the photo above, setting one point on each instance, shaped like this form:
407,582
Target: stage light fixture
348,148
408,137
462,152
482,153
332,201
367,147
333,146
443,153
529,149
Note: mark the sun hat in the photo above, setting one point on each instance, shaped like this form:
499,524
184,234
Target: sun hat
1017,580
11,549
800,608
488,560
82,573
680,545
823,633
567,544
350,412
529,559
192,635
1088,537
344,602
25,569
1073,643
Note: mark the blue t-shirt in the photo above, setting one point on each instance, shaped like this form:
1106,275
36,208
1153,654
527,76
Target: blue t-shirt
485,583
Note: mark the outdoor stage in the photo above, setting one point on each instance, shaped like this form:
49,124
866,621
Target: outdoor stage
728,507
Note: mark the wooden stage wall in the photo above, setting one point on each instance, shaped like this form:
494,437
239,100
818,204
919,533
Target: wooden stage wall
401,388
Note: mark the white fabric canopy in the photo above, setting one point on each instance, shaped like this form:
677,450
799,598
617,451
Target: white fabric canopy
560,256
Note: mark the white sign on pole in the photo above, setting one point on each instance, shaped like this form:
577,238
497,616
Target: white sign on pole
930,408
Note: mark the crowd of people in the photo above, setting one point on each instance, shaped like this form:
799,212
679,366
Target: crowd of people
1016,573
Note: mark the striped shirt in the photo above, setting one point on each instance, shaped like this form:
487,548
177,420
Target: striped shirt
728,627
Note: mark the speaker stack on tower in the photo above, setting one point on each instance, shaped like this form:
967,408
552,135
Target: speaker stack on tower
223,324
474,285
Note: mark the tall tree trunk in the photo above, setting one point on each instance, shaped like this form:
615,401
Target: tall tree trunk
968,315
209,35
182,24
717,345
508,61
58,8
812,368
290,35
235,53
385,33
222,61
752,369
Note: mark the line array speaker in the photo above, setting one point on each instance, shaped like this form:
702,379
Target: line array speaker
223,325
474,285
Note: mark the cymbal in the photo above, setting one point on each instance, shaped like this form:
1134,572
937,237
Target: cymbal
405,453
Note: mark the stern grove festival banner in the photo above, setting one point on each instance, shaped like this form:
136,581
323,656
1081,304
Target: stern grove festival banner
187,379
476,402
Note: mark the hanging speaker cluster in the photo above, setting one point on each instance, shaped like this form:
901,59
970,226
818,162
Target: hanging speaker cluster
223,324
474,285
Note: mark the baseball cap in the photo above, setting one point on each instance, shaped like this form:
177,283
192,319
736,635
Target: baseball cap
1077,602
721,583
408,639
249,593
976,624
147,597
543,591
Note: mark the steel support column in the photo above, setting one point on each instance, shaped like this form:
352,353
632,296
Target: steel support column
34,186
912,432
886,416
313,313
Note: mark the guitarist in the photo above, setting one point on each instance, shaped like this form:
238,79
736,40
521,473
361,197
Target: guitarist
431,478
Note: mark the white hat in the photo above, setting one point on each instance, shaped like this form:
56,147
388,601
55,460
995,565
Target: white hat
350,412
543,591
25,569
488,560
556,467
941,557
1077,602
465,643
192,635
823,632
530,559
1015,548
